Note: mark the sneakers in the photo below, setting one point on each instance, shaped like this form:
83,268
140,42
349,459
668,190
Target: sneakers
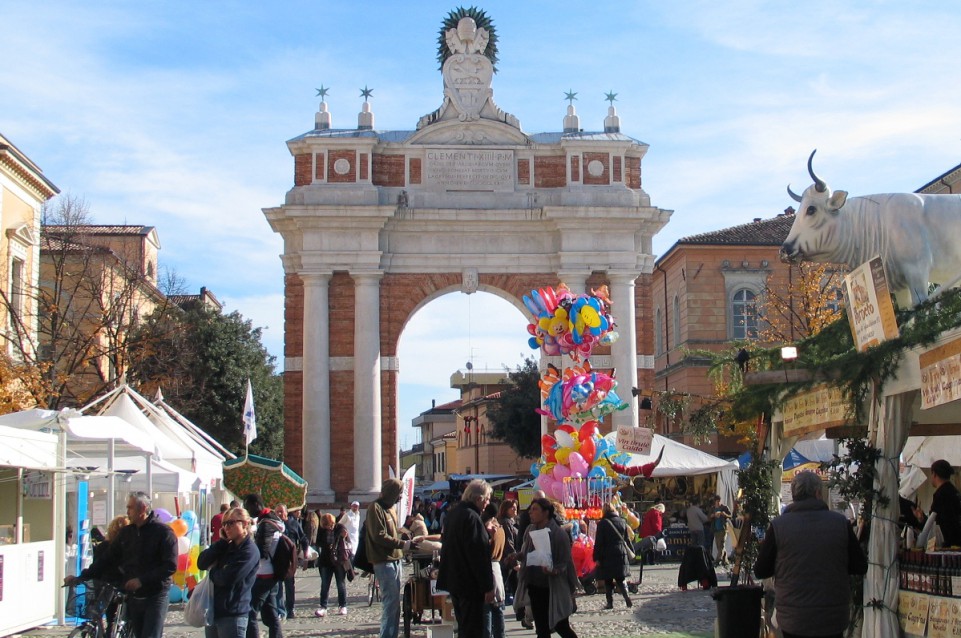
343,611
320,613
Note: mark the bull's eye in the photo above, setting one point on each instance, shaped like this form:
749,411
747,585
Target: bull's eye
811,210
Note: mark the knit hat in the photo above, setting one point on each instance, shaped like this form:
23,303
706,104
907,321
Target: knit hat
391,489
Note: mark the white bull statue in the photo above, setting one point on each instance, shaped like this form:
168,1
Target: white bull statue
917,236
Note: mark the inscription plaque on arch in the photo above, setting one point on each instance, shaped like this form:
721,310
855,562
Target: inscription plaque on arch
469,169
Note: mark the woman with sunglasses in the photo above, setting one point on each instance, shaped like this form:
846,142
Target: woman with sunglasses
232,562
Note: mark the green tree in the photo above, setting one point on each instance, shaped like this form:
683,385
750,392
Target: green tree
512,416
201,360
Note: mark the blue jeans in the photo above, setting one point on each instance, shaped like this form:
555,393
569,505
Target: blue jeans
326,573
493,620
389,575
228,627
147,615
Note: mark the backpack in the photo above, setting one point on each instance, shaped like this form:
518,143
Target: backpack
360,552
284,558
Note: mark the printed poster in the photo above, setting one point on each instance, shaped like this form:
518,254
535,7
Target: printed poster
870,311
913,612
940,375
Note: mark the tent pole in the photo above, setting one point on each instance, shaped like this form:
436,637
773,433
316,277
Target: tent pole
111,485
149,458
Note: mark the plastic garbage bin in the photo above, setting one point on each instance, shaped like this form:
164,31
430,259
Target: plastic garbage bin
738,611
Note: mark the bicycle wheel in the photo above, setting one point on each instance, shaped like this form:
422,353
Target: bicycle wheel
86,630
371,587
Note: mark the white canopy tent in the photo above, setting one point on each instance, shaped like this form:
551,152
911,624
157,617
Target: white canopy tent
131,472
683,460
183,448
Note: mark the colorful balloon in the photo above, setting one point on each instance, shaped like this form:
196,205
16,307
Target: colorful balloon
179,526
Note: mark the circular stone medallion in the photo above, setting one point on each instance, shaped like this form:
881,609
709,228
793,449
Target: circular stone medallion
342,166
595,168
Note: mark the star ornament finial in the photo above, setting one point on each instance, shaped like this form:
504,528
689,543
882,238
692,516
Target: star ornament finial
570,96
366,93
611,97
322,92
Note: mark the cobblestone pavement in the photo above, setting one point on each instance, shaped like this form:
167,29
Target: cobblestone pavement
659,608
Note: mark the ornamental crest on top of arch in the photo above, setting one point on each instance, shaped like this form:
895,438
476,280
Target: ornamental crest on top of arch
468,72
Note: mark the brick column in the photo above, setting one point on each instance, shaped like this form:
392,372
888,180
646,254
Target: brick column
624,350
368,445
316,388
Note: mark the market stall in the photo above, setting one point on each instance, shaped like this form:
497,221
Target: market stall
29,549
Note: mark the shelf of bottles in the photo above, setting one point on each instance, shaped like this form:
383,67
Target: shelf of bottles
937,573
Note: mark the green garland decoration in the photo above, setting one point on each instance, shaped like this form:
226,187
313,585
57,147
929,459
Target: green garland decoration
831,353
450,22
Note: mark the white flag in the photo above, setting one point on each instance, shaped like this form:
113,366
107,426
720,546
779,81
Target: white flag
250,419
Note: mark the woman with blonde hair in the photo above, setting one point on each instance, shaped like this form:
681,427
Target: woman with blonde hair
232,563
333,562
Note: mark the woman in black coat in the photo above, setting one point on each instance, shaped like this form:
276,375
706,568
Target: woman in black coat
610,554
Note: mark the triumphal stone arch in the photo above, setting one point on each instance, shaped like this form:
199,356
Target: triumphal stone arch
378,223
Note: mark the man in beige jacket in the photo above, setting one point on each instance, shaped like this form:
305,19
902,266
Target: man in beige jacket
385,550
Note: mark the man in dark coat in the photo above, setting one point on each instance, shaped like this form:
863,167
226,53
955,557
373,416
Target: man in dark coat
810,551
145,553
946,503
465,560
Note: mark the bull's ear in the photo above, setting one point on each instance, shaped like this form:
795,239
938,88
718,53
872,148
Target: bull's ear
837,200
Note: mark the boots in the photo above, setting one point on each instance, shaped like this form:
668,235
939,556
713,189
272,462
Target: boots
627,599
610,597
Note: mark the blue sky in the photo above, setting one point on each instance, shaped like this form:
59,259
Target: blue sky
175,115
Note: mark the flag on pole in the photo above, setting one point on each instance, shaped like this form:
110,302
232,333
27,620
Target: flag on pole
406,504
250,419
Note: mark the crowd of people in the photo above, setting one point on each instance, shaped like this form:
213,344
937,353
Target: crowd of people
490,556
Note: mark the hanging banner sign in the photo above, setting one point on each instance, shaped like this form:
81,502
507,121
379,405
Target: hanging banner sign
634,440
821,408
941,375
37,484
868,300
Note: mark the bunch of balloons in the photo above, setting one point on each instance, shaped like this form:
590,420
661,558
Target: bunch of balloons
188,548
565,323
582,555
575,468
583,394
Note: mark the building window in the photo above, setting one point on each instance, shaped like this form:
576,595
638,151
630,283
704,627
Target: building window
658,333
677,321
744,314
16,290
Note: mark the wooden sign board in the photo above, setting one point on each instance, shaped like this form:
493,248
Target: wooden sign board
821,408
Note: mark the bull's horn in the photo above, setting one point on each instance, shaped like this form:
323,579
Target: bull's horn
819,184
793,195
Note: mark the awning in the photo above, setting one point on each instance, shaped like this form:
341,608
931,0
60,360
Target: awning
26,449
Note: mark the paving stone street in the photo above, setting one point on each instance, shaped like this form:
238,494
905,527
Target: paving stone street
660,608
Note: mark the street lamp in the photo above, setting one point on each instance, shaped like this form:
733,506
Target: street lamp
788,355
